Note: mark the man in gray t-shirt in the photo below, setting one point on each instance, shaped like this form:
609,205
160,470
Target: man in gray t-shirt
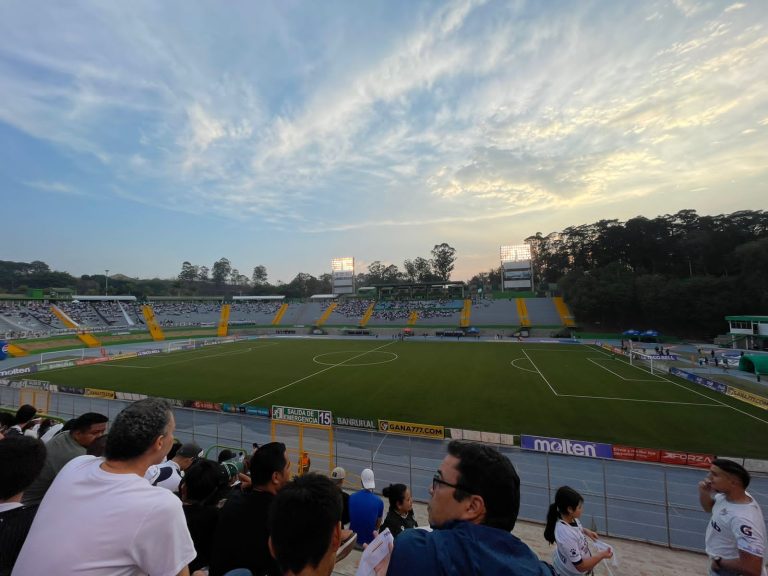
71,442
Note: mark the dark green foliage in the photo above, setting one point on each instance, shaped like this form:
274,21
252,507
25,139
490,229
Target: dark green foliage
681,272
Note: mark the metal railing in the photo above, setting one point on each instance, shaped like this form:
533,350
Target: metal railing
641,501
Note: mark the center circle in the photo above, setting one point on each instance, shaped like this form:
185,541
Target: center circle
360,358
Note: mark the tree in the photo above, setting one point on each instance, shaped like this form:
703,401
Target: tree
410,270
392,274
259,275
188,272
221,270
443,259
202,273
376,271
423,269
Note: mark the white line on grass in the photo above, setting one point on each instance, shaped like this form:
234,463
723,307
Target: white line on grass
715,400
642,400
540,374
620,376
514,363
116,363
720,402
318,372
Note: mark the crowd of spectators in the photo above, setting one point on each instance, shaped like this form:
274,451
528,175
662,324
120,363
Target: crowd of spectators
390,310
135,501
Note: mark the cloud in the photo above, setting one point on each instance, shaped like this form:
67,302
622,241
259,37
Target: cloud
442,113
55,188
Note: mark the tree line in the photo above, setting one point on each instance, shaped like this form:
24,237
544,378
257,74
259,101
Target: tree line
679,272
221,278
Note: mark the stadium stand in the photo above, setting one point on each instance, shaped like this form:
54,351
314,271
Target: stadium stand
491,312
542,312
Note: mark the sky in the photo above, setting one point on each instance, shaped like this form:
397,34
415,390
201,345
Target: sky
138,135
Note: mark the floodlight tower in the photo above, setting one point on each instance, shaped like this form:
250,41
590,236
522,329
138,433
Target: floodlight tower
516,267
343,275
106,282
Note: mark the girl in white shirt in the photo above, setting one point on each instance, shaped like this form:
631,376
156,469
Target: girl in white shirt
572,556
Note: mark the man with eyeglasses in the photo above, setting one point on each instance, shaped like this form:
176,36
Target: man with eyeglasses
474,505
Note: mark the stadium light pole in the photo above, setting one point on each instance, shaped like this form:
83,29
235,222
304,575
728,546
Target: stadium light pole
106,282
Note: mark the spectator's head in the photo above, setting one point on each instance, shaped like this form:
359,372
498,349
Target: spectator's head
367,479
399,497
174,448
25,413
305,525
6,420
225,455
725,475
21,459
88,427
338,475
143,429
475,483
201,481
270,467
187,454
567,504
98,446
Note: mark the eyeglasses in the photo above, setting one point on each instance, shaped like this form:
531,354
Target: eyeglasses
438,480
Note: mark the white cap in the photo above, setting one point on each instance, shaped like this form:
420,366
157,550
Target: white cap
338,473
366,477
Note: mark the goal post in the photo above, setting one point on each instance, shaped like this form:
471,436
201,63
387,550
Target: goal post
642,361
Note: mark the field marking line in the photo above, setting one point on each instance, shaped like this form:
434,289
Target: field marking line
318,372
116,363
715,399
665,379
520,367
540,374
642,400
620,376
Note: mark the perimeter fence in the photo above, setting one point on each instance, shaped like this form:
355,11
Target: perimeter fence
643,501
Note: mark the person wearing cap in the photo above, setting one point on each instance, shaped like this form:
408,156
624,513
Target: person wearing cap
366,510
735,540
168,474
338,475
74,440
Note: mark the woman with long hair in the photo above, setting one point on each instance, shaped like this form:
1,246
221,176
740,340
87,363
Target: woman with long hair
400,515
572,556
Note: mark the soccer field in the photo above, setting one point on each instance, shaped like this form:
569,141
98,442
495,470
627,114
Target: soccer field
571,391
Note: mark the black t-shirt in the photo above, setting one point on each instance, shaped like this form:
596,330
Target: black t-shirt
242,534
14,526
202,522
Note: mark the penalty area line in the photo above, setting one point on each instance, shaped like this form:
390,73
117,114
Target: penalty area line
540,374
642,400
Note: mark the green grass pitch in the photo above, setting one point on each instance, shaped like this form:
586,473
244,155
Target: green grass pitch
572,391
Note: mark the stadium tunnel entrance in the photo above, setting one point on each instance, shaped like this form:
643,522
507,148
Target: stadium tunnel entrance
754,364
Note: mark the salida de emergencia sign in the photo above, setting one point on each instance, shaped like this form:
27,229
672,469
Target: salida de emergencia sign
302,415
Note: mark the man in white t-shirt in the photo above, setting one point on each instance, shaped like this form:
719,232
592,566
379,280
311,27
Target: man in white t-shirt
735,540
101,517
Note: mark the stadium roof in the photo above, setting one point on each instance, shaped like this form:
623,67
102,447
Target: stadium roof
747,318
